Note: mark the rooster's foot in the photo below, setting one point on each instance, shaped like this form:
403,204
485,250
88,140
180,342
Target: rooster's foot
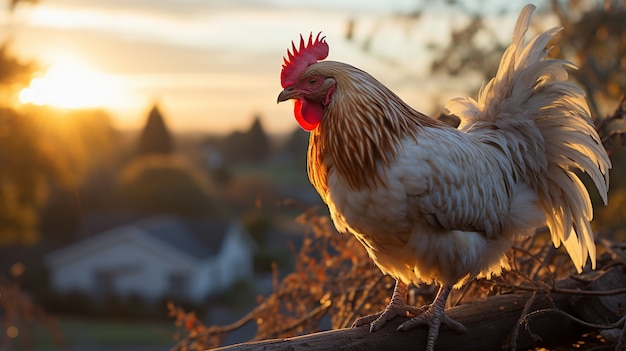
434,316
378,320
397,307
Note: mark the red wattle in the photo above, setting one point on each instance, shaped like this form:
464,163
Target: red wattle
308,115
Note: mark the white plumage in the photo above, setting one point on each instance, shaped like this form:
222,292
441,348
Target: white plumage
436,204
548,135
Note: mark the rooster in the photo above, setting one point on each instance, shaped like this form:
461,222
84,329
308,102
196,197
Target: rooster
436,204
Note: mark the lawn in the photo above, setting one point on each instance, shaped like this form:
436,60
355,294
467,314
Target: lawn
96,334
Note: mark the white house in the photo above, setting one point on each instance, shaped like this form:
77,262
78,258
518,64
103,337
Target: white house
156,257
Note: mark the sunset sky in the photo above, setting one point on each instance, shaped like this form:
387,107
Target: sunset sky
212,65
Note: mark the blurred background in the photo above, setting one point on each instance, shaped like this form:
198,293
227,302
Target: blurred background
144,160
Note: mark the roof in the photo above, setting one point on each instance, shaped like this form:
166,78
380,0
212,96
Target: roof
200,238
195,239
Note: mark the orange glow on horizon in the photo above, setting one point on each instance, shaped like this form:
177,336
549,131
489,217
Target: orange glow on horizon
70,83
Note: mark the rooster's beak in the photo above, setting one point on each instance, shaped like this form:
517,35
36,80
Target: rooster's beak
288,94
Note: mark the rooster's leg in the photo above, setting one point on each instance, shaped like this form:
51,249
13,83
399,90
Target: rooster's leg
434,315
397,307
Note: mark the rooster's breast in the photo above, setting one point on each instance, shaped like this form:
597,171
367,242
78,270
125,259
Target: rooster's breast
385,207
438,210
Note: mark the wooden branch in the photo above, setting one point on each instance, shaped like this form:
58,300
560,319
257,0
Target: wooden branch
490,323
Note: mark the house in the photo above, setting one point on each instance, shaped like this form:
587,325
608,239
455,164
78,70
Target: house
156,257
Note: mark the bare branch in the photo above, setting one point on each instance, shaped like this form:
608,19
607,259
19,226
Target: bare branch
535,314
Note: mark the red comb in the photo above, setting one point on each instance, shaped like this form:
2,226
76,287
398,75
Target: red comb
300,58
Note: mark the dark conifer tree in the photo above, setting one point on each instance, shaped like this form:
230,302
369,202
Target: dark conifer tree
257,142
155,138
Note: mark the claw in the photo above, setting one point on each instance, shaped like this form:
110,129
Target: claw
397,307
433,316
366,320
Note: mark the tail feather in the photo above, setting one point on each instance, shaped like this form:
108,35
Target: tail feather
543,124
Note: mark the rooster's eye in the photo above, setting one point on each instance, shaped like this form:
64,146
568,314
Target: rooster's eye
313,81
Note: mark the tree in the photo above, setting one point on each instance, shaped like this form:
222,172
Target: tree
252,145
22,187
155,137
31,159
23,173
595,41
40,147
167,184
258,144
86,148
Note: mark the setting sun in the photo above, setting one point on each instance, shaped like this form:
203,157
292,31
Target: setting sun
69,84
